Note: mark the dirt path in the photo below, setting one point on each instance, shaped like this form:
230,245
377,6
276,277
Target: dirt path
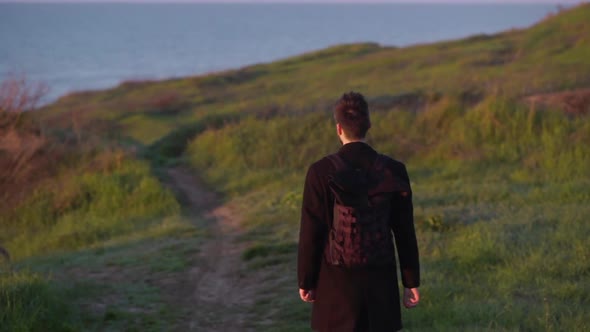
216,292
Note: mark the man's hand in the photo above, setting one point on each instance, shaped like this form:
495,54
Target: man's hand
411,297
307,295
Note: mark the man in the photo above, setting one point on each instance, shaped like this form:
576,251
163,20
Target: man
364,298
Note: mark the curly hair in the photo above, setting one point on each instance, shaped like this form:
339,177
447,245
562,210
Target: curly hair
352,113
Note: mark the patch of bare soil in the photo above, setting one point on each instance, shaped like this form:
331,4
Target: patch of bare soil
216,292
574,102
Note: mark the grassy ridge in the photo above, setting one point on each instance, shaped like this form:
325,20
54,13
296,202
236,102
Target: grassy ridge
501,186
550,56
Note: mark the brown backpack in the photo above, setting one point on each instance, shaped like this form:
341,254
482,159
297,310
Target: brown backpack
360,235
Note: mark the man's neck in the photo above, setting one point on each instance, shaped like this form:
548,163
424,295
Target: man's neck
346,141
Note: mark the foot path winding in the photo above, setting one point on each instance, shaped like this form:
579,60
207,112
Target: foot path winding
217,294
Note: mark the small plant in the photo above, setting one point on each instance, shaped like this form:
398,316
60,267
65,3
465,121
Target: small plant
435,223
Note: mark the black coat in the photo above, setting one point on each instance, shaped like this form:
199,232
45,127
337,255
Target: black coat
362,299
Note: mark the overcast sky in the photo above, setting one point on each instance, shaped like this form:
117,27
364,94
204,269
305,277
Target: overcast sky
310,1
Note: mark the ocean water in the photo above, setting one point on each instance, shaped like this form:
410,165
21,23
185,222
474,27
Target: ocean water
72,47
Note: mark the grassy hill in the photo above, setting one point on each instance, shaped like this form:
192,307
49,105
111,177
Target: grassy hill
499,171
550,56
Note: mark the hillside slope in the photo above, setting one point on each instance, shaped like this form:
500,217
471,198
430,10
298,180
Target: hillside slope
550,56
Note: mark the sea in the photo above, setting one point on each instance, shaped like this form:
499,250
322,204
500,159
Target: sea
72,47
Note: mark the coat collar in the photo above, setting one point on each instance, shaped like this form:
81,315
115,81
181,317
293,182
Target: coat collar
358,153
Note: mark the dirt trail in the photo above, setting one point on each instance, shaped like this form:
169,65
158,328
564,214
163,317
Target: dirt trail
215,291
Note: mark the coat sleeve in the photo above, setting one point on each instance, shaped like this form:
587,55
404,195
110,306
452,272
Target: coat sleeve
405,235
312,231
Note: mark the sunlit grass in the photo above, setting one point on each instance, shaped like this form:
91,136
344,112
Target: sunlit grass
80,209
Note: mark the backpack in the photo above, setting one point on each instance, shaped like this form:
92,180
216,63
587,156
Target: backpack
360,234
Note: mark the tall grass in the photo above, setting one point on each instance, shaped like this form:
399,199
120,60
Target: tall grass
545,144
84,207
28,302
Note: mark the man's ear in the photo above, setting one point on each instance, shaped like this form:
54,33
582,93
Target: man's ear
339,129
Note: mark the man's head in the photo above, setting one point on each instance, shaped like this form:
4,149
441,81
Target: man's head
352,116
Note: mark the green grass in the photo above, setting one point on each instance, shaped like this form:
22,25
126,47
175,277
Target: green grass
549,145
95,239
31,303
503,255
116,285
82,208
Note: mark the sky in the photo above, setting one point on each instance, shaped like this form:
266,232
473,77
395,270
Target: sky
565,2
